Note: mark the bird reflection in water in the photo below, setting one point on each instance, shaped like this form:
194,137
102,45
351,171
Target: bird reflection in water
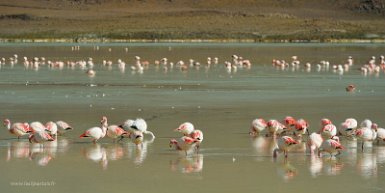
137,150
188,164
367,165
42,155
96,153
287,171
18,150
316,165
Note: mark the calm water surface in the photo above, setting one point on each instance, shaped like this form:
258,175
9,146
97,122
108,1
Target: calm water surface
219,103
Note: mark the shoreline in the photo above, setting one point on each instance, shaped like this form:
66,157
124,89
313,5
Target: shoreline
108,40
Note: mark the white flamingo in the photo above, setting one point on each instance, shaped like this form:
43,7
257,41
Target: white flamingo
283,145
257,126
96,132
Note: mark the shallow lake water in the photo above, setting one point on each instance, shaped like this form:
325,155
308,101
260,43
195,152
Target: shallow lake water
222,104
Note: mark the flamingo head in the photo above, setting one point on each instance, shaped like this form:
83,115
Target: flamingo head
375,126
27,128
270,123
7,122
173,142
325,121
103,120
197,134
359,132
289,121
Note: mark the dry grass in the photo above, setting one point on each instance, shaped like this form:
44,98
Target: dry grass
184,19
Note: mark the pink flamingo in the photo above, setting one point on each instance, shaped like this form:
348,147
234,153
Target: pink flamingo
185,128
314,142
40,137
114,131
275,127
329,131
96,132
52,128
380,132
283,144
36,126
348,127
301,126
332,146
289,123
183,144
18,129
197,135
366,133
63,127
257,126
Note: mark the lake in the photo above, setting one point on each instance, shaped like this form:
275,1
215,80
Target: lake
221,103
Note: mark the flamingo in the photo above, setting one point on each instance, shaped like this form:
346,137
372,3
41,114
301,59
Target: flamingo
18,129
63,127
275,127
329,130
185,128
257,126
127,124
96,132
37,126
314,142
348,127
325,121
283,144
183,144
197,135
380,132
52,128
141,125
301,126
366,133
40,137
289,123
332,146
114,131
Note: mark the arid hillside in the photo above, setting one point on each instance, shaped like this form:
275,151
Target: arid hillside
257,20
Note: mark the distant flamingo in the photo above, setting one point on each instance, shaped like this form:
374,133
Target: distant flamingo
197,135
96,132
328,131
63,127
114,131
348,127
183,144
141,125
301,126
283,144
366,133
257,126
380,132
289,123
52,128
185,128
332,146
314,142
40,137
17,129
37,126
275,127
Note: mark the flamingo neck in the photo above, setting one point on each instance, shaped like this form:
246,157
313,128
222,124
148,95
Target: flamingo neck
8,125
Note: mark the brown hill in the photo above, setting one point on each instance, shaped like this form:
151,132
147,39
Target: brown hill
257,20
